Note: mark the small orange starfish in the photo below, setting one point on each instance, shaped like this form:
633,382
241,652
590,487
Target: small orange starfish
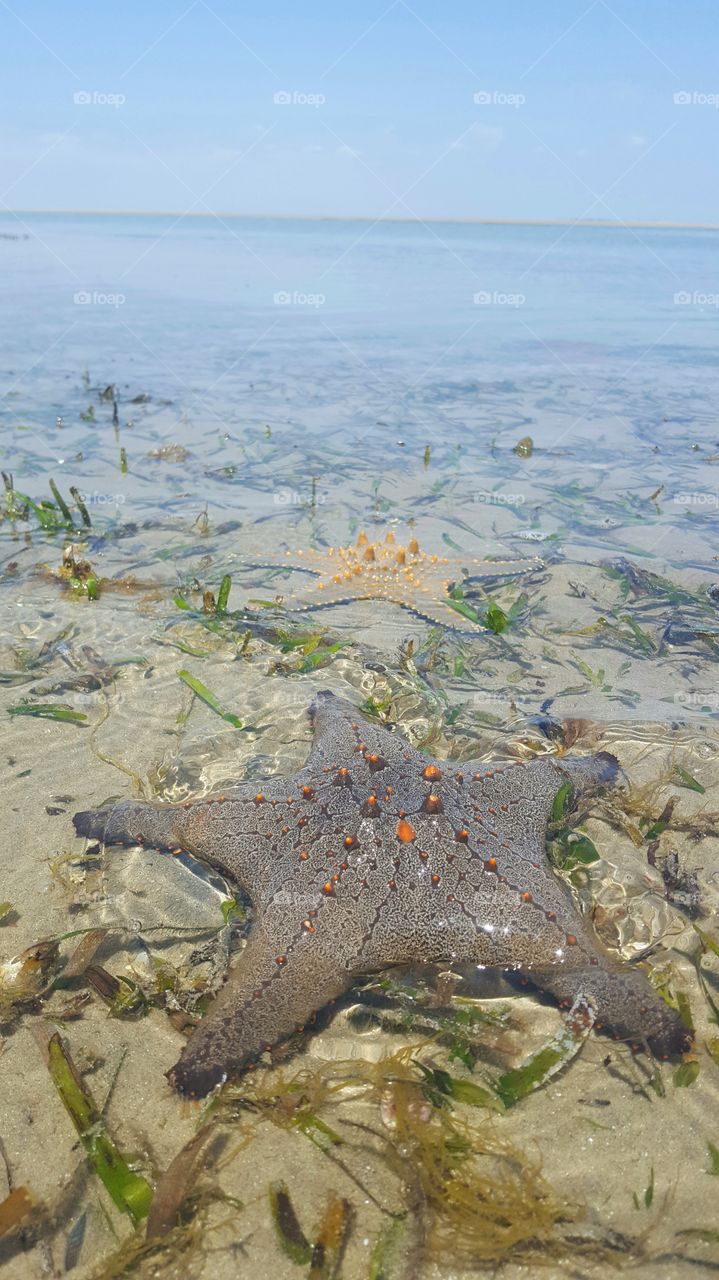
406,576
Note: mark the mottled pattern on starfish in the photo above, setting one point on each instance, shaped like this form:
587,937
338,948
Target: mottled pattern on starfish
374,855
404,575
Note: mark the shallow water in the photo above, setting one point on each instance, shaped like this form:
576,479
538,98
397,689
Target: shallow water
383,397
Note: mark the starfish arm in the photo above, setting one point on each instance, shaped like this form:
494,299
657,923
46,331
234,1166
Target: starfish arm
622,996
550,943
224,830
131,822
321,594
482,570
439,613
526,790
305,561
341,734
269,994
564,957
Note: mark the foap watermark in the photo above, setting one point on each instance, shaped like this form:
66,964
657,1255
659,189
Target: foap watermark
295,299
695,298
495,98
87,298
693,98
697,499
288,898
294,98
293,498
499,499
93,98
490,698
97,499
497,299
696,698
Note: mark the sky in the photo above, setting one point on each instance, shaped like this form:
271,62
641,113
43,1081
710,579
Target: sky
517,109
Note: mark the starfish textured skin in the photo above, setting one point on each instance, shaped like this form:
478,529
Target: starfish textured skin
404,575
375,855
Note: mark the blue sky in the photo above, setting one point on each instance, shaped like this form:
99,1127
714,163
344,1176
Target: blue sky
577,117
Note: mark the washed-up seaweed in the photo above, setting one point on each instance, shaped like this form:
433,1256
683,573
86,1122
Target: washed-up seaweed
330,1240
310,650
203,693
490,615
49,711
14,1209
681,886
707,946
478,1198
197,604
389,1256
641,583
84,953
647,1198
290,1235
79,573
130,1192
124,998
52,514
461,1026
178,1183
543,1065
620,631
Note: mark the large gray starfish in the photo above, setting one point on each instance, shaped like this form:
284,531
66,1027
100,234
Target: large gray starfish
375,855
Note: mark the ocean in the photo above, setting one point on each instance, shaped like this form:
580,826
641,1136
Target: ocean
196,413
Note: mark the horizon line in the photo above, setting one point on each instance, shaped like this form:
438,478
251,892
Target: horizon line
613,223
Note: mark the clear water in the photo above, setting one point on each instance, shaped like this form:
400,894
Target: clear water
380,396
